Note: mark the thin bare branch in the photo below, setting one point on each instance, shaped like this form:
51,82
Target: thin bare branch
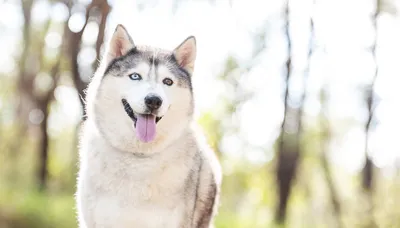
105,10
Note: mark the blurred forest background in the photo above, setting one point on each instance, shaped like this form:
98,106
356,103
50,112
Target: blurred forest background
300,99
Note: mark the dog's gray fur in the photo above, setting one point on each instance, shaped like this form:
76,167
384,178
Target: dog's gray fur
154,57
173,181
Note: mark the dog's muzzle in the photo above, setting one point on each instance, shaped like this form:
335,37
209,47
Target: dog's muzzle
129,111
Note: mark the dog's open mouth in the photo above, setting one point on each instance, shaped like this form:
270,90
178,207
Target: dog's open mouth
145,124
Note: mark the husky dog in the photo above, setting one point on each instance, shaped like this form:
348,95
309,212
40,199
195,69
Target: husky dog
142,164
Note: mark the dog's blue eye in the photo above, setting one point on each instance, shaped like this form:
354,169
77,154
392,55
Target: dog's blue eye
135,76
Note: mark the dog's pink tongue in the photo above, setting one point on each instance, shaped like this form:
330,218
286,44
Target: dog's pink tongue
146,127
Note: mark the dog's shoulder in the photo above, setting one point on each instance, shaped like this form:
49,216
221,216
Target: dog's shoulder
207,154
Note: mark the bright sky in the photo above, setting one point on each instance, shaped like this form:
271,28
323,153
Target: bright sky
341,57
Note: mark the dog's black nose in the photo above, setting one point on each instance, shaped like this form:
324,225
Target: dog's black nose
153,102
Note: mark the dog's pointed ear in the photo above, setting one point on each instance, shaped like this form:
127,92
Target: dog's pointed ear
185,54
120,43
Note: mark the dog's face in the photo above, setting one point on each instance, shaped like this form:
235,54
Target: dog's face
144,97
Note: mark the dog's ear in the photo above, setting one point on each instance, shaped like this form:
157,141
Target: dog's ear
120,43
185,54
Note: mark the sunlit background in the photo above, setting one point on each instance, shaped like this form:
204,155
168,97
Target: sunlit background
299,99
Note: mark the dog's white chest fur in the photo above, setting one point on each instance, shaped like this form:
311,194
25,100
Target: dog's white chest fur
120,189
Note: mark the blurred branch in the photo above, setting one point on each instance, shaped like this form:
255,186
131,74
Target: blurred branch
33,62
368,169
26,34
24,86
75,40
105,10
367,173
307,70
44,102
74,48
23,89
287,154
289,147
326,135
325,138
288,73
42,43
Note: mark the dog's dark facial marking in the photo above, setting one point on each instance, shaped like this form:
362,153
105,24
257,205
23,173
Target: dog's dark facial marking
154,57
122,64
128,109
153,63
159,57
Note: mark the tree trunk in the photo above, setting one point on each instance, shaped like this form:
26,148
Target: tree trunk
289,148
287,164
24,86
75,40
287,157
368,170
44,102
43,149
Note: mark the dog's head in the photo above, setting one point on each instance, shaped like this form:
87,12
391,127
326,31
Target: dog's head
143,96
